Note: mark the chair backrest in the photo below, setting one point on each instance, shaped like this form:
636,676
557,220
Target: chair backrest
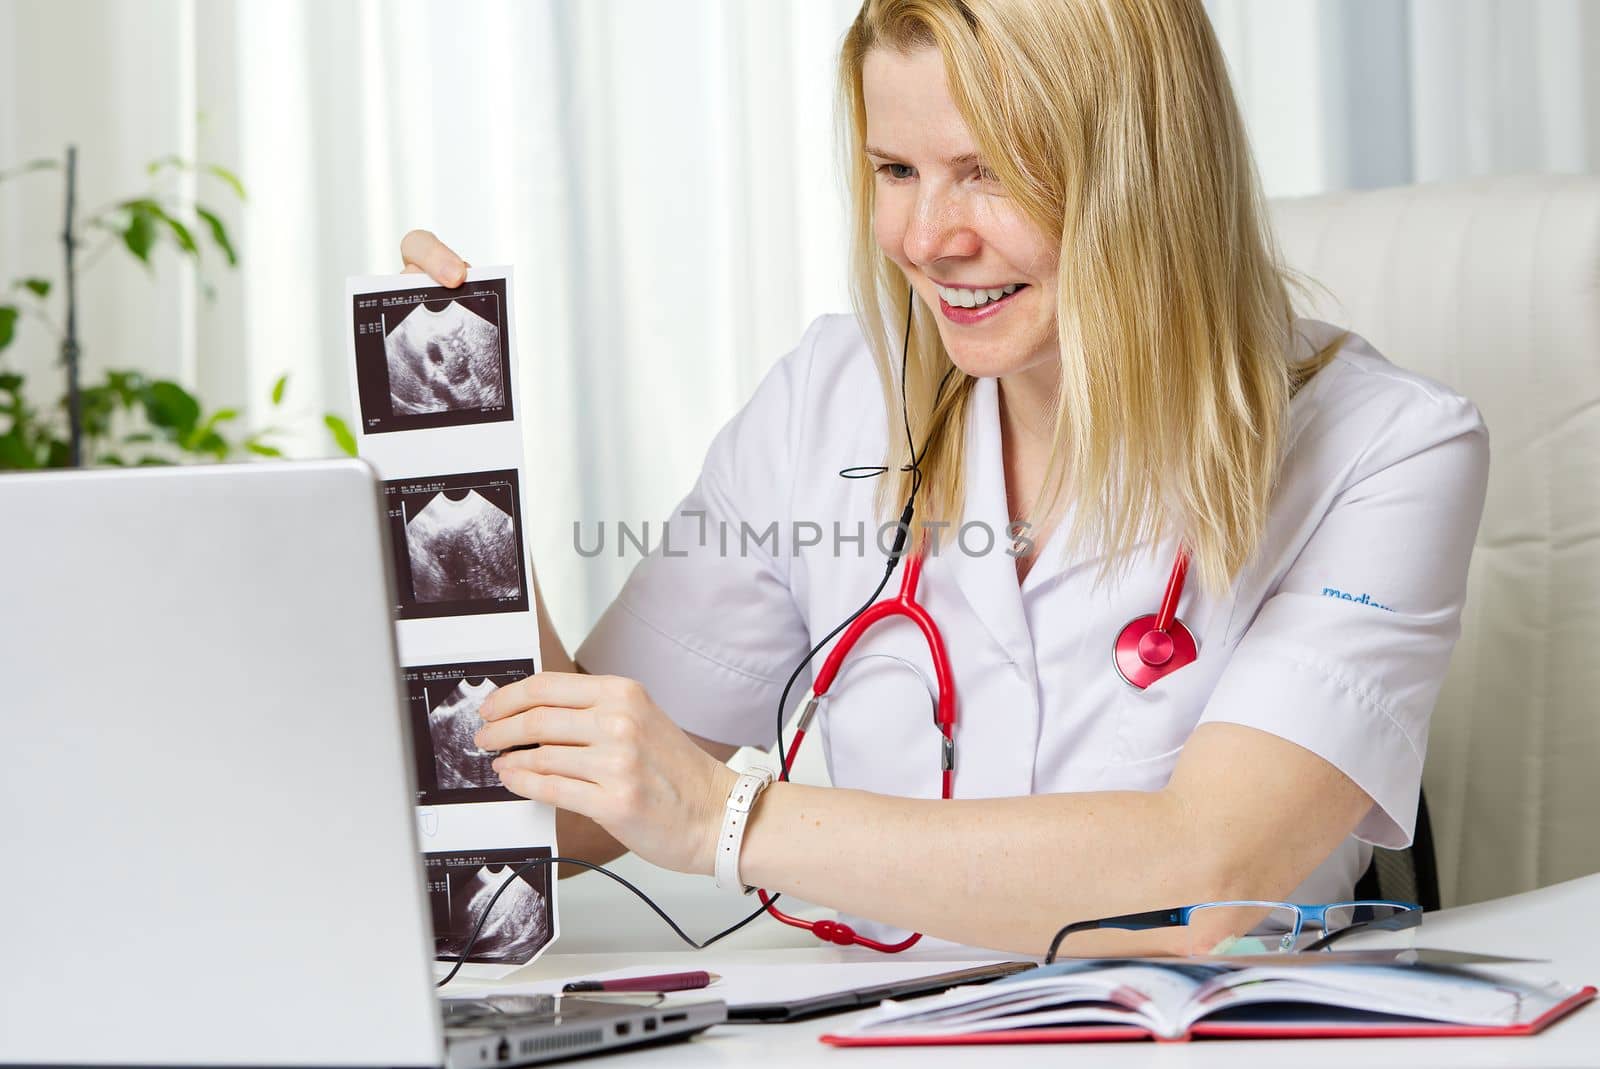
1493,287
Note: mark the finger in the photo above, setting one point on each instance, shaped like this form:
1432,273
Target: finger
540,724
575,795
573,762
420,248
572,690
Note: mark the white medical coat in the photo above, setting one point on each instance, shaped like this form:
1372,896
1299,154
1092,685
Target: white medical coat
1335,638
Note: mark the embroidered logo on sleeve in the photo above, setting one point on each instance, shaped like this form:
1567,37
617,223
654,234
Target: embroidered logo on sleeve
1363,599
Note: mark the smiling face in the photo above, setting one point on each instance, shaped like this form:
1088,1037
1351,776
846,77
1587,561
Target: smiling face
940,214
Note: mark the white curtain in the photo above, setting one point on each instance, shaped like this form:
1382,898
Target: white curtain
662,176
1356,94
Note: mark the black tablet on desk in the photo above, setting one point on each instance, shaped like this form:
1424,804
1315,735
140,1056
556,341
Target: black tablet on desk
861,997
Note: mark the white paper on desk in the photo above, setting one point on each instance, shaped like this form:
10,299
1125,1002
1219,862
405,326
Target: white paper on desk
434,378
757,983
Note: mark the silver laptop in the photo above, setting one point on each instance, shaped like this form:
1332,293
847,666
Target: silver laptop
208,849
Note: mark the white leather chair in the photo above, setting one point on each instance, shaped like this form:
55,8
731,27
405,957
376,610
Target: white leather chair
1493,288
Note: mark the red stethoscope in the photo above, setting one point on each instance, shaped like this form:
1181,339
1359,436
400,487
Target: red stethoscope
1147,649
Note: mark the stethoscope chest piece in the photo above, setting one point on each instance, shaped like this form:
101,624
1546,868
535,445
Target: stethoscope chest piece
1153,647
1146,652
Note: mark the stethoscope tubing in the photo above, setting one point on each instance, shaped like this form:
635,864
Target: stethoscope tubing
1146,649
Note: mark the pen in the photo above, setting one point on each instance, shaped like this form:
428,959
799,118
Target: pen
672,981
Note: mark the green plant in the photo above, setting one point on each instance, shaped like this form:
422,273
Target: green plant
125,418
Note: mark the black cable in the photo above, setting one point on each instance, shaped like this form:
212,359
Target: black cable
902,529
902,532
466,951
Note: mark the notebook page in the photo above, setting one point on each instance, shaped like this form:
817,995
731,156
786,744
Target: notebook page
1451,996
1153,996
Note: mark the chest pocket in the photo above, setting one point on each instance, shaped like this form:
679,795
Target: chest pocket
877,720
1158,720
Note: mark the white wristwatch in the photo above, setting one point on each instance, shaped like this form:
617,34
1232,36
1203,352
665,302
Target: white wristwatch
731,839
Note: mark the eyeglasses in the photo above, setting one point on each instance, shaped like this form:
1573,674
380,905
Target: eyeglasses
1249,927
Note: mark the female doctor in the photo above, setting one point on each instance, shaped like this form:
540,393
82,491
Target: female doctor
1058,227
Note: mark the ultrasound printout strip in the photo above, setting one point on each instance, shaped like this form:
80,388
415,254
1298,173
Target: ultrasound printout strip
434,381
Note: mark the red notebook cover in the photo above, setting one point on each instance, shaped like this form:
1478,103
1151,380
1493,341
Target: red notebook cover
1220,1030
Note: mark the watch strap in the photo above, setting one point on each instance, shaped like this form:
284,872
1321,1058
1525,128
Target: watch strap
730,840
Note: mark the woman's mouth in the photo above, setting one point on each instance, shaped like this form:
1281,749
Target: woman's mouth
968,304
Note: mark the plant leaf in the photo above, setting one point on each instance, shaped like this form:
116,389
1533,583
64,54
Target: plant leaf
96,405
278,388
261,449
15,453
39,287
140,233
180,232
8,324
208,442
126,385
157,165
30,166
341,434
219,234
228,177
170,407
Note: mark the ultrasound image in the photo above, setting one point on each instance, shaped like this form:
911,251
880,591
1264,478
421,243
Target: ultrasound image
459,888
444,702
444,357
462,549
457,762
432,357
457,543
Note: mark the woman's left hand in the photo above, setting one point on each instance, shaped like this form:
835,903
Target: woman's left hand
607,751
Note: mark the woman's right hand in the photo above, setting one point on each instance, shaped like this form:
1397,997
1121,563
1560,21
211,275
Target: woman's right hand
425,254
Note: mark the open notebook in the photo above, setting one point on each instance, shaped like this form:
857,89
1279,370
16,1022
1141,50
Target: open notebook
1122,999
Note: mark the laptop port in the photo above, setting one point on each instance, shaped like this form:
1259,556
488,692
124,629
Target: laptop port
502,1053
624,1027
649,1024
673,1018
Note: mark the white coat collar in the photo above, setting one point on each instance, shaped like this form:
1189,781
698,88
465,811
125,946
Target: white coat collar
988,581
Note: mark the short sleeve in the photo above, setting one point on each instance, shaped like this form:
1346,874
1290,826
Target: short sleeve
707,621
1347,656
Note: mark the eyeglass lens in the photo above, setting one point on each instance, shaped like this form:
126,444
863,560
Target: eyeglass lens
1239,929
1264,929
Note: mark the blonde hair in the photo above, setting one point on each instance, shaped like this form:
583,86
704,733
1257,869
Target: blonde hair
1112,125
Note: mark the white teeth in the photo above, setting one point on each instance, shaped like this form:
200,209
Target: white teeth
971,298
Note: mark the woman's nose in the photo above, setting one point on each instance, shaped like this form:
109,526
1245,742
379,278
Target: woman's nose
939,229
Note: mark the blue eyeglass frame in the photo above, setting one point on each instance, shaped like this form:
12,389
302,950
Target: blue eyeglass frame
1178,916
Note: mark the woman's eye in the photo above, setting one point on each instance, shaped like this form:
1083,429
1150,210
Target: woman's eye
897,171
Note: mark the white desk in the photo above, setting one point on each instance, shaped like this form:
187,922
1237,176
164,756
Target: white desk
1557,923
